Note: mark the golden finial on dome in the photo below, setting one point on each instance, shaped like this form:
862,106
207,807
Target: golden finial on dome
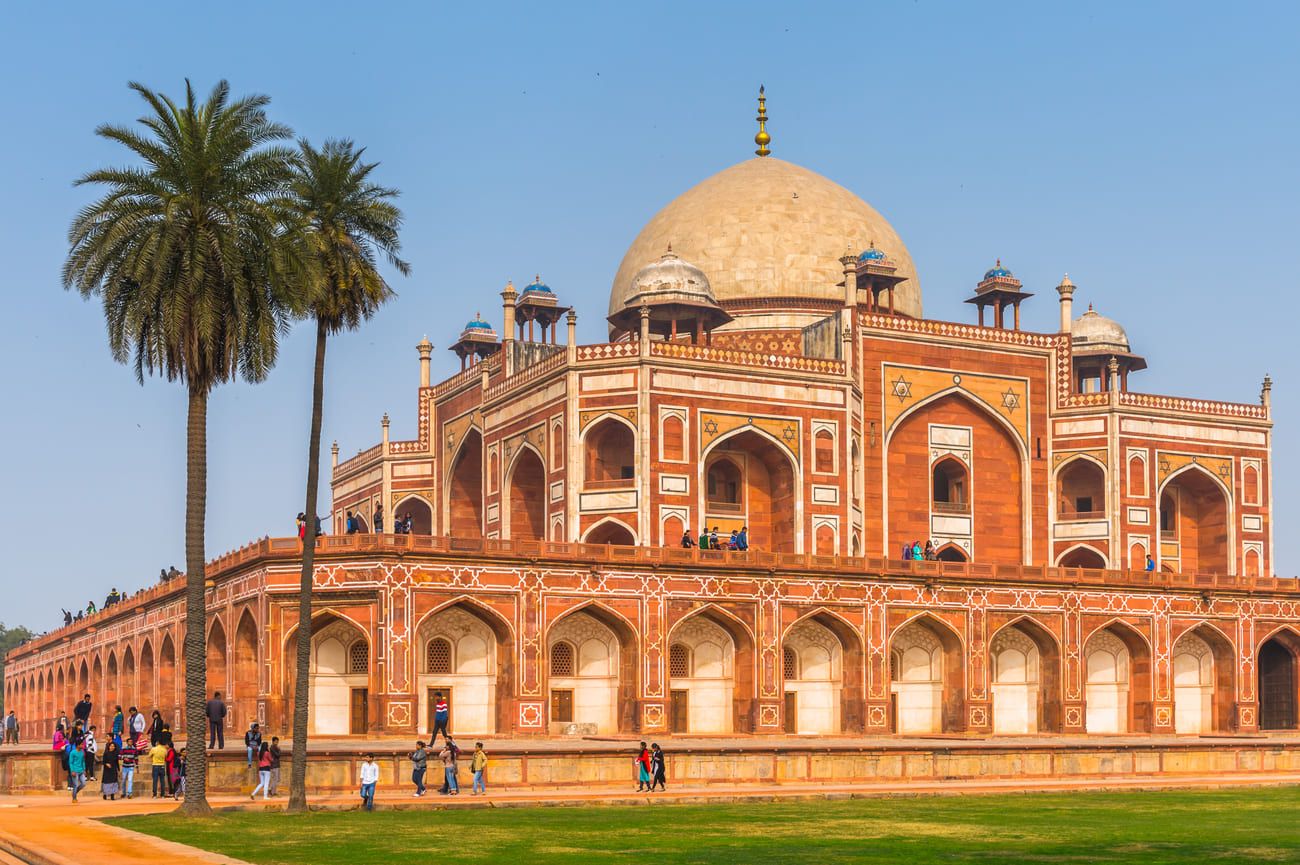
762,139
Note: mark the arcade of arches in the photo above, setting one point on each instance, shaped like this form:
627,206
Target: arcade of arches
620,664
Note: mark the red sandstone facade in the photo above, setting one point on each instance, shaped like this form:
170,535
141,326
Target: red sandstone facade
550,484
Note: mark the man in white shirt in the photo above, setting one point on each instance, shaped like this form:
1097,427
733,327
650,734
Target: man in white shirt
369,778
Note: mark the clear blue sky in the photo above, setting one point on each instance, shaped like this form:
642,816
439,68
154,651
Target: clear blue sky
1149,149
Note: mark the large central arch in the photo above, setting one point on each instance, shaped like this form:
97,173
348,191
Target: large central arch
756,484
339,675
998,485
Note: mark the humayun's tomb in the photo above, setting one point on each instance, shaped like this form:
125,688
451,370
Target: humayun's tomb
768,365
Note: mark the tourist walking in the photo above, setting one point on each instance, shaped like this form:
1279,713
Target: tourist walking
81,711
369,778
216,712
130,754
743,539
156,726
252,742
158,765
441,717
658,772
11,728
419,765
76,770
1151,563
378,521
449,753
704,538
275,766
477,765
641,764
110,770
263,772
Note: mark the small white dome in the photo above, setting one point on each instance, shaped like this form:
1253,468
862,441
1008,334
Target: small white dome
670,280
1093,333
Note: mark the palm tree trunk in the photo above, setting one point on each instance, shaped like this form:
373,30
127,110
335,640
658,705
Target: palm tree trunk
196,505
298,768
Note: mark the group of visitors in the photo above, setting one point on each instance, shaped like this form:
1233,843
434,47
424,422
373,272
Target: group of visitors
449,757
651,772
302,526
403,524
711,540
917,553
131,739
113,598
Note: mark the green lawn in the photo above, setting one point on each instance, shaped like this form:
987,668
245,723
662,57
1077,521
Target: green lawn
1258,825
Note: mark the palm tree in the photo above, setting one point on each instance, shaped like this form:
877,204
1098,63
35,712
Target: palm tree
346,223
187,254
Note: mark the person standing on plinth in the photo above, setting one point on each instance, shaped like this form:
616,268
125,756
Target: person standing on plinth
81,711
441,717
11,728
216,712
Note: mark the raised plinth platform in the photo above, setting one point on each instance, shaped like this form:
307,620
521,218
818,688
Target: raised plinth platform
551,764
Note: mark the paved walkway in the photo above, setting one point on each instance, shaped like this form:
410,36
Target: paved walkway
46,829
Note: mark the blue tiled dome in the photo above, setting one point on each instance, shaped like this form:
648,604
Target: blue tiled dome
997,272
478,324
871,254
538,285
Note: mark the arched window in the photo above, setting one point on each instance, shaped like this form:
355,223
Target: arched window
437,656
611,455
679,661
673,439
358,658
790,663
1081,487
824,452
557,446
562,659
724,487
950,486
1137,476
1250,485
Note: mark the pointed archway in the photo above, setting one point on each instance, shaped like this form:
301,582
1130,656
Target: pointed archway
1195,523
927,677
1279,685
526,497
463,502
466,655
1025,671
592,671
1203,664
610,531
216,659
1117,666
710,674
751,481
